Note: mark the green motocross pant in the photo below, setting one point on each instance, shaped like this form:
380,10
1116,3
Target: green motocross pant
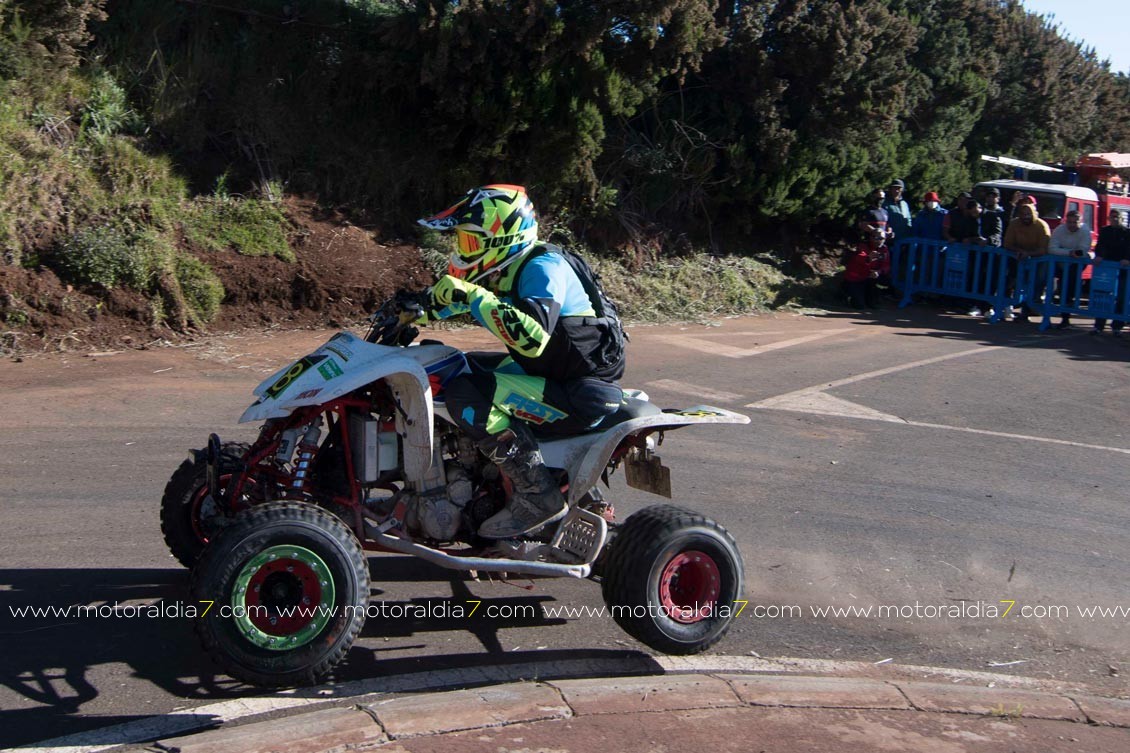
497,390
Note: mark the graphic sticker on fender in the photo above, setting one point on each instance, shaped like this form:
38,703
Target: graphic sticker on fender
330,369
296,370
696,413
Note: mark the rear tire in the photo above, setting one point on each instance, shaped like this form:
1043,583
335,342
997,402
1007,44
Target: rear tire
672,579
184,521
289,585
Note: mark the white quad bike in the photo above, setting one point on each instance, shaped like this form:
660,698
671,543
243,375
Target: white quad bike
357,451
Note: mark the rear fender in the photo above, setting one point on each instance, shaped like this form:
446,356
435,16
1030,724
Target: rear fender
586,456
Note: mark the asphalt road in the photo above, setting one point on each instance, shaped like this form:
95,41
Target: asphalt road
912,460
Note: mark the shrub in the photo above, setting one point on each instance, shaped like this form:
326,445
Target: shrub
107,110
698,288
202,289
104,256
134,180
246,226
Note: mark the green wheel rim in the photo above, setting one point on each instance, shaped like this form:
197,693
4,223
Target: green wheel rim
283,598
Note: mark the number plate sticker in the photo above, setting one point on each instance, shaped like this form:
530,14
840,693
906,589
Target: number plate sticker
298,369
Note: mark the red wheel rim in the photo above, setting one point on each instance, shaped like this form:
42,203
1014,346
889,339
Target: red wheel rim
689,587
286,583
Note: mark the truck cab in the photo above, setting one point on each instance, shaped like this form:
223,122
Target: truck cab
1092,186
1053,201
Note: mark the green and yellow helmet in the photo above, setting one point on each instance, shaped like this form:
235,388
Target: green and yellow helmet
493,225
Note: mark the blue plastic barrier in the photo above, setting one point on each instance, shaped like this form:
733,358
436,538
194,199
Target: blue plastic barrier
978,273
1064,291
1052,285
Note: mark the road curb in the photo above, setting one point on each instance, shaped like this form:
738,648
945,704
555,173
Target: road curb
618,671
372,722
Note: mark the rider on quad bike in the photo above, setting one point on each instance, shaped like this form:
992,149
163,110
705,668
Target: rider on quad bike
565,343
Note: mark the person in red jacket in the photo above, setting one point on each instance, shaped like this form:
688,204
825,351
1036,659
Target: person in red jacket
864,269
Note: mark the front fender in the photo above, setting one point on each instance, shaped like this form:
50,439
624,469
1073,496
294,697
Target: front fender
415,424
343,365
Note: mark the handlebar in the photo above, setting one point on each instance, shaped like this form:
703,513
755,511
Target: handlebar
391,324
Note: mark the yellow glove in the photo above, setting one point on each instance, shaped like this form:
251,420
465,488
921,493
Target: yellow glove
451,290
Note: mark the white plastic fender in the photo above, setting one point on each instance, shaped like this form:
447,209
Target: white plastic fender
345,363
585,457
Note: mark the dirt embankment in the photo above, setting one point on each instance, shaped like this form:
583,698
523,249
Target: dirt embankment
342,272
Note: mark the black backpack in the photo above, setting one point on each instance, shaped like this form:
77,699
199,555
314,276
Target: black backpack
603,354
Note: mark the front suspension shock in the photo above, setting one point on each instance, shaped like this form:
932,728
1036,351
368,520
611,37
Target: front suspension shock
306,449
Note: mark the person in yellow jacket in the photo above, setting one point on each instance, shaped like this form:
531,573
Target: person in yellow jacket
1027,236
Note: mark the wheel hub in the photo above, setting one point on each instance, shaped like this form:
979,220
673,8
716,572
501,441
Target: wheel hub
282,597
689,587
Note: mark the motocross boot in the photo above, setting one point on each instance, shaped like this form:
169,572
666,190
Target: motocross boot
537,498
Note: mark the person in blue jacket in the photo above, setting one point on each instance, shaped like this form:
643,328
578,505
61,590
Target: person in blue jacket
929,221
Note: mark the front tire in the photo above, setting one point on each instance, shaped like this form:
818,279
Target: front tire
672,579
289,585
185,516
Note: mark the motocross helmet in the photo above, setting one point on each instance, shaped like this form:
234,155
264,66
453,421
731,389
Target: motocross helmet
493,225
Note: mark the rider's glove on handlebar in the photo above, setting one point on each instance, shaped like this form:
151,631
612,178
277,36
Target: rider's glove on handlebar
451,290
520,331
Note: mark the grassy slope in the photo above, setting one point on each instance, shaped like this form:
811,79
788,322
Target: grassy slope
84,198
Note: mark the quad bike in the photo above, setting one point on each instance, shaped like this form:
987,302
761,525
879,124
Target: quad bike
357,452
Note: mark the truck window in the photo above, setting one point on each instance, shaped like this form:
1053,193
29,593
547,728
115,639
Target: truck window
1049,207
1089,215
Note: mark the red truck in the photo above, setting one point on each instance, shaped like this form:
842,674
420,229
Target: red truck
1092,187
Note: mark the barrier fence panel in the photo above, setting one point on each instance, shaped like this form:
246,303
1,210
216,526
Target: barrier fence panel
1058,286
1107,282
1051,285
977,273
918,261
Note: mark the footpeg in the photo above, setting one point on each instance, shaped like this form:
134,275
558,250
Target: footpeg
580,537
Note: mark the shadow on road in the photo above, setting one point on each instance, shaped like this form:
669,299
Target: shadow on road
952,322
63,667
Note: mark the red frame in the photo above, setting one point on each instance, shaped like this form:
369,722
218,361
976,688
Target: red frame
335,413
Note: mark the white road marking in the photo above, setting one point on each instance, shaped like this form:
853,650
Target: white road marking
1026,437
788,396
212,715
824,404
694,342
683,388
815,400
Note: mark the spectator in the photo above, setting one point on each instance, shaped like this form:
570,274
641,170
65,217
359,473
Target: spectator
955,211
1113,246
928,221
898,211
1014,203
992,218
1027,236
865,268
965,226
1019,198
1072,238
874,218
